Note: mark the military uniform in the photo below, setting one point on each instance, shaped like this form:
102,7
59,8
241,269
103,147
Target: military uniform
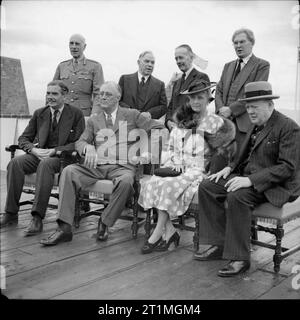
83,79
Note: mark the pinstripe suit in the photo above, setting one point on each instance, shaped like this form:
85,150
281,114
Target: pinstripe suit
274,163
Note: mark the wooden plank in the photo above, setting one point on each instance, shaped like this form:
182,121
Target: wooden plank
282,291
173,276
86,264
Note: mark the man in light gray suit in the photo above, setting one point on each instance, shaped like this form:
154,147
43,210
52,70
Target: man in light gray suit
236,74
106,146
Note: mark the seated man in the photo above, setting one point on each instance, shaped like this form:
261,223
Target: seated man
142,91
53,128
106,147
266,170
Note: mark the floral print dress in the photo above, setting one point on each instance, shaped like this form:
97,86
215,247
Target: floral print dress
190,150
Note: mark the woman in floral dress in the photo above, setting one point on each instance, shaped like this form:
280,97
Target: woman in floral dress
188,154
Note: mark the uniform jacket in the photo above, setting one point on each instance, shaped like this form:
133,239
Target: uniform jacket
177,99
71,125
227,93
274,160
84,83
156,100
122,146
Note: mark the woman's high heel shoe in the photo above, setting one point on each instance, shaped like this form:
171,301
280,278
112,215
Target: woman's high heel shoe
149,247
164,245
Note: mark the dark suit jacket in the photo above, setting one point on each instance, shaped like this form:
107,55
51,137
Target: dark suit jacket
71,125
227,93
156,100
274,160
177,99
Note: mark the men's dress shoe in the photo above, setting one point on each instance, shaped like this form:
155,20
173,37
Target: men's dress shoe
149,247
234,268
57,237
35,227
8,219
212,253
102,233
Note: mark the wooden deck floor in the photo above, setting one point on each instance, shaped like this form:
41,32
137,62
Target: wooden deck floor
86,269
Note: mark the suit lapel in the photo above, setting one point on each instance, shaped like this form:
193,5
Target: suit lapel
230,71
150,91
119,117
244,74
265,131
43,130
189,80
133,83
65,125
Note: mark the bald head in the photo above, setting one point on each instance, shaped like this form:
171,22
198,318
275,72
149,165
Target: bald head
77,45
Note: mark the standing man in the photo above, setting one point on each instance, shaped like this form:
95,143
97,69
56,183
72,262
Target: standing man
82,76
53,128
247,68
142,91
110,127
266,170
184,58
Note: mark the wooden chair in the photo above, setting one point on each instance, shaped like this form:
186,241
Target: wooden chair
29,183
264,213
99,194
268,213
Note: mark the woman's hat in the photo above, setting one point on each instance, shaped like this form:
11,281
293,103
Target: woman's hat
198,86
259,90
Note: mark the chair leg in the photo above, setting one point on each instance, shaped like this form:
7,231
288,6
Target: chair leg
279,233
254,235
135,225
196,233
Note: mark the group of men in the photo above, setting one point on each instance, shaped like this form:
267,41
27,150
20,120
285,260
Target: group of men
265,169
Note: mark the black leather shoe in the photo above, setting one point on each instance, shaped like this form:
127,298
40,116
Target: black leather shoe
57,237
164,245
234,268
8,219
149,247
35,226
102,233
212,253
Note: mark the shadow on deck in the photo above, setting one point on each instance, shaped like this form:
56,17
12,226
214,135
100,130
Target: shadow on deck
86,269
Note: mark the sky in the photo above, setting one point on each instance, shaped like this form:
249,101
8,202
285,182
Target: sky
116,32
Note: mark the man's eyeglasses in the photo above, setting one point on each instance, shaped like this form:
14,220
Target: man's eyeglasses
107,94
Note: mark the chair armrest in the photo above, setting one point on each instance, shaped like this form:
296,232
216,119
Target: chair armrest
67,157
12,149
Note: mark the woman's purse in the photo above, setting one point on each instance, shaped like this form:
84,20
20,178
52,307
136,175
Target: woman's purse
167,172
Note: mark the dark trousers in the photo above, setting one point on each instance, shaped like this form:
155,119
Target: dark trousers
45,170
230,228
76,177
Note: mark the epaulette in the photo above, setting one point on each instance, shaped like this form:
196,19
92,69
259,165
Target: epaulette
89,60
65,61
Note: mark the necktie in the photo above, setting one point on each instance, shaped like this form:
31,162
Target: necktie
255,133
54,120
142,81
237,70
109,123
182,80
